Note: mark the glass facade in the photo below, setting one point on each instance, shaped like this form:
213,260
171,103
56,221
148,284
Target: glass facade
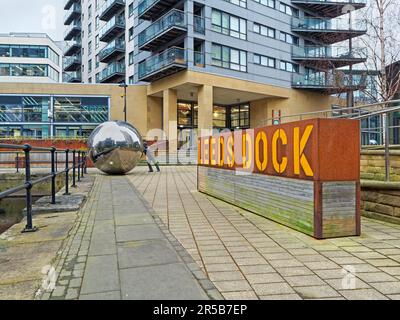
51,116
25,51
28,70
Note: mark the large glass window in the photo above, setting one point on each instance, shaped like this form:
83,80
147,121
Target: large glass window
230,25
229,58
240,116
80,109
264,30
268,3
242,3
219,117
29,70
24,109
283,7
264,60
288,38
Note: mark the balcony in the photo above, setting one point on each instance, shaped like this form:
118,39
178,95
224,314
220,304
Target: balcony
111,8
112,29
329,8
69,3
72,31
328,57
329,31
72,63
163,64
112,50
73,48
153,9
115,72
329,82
74,12
199,24
164,30
72,77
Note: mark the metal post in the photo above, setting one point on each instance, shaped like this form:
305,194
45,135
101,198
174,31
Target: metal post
74,169
17,162
53,175
28,186
66,173
387,146
83,163
79,166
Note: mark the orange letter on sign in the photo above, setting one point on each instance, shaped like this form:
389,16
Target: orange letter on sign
246,151
279,167
230,156
261,136
213,161
299,146
221,151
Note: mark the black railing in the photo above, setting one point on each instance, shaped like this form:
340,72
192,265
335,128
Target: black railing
78,162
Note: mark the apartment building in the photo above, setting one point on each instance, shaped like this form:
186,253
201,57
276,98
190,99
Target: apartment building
29,57
218,64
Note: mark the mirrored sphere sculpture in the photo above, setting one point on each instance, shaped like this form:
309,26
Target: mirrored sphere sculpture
115,147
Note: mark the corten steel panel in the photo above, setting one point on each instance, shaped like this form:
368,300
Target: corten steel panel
331,150
339,150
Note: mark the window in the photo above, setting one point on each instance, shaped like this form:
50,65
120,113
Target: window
130,9
185,114
228,24
131,34
286,37
97,22
90,12
26,51
97,41
131,80
229,58
288,66
90,66
240,116
130,58
90,29
264,61
90,48
264,30
288,10
242,3
97,4
29,70
90,80
97,61
219,117
268,3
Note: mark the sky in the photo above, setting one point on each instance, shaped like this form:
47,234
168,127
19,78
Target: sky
45,16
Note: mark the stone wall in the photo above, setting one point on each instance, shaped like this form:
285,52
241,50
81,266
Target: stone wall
373,165
381,204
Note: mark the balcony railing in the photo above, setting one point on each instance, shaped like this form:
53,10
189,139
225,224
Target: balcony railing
110,8
199,24
199,59
170,58
336,24
112,28
72,31
332,1
328,52
329,8
116,46
175,19
114,70
74,12
338,81
72,48
152,9
70,77
68,3
72,62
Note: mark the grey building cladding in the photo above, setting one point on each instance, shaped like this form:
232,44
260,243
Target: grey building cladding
287,43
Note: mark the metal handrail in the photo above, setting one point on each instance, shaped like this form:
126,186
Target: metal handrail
80,164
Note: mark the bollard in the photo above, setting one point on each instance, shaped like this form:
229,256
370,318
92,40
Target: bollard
83,163
17,162
74,169
66,173
79,166
28,186
53,175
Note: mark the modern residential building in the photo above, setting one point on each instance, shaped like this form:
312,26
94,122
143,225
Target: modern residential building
29,57
223,64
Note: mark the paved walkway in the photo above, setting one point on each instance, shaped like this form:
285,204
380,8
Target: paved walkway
247,256
118,251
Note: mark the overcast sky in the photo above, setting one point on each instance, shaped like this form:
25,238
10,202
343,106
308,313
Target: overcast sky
33,16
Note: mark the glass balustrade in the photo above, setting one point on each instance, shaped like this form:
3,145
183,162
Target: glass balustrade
199,24
336,24
328,80
112,47
329,52
116,21
75,9
109,4
160,61
174,18
112,69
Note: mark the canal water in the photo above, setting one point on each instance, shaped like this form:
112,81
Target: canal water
11,211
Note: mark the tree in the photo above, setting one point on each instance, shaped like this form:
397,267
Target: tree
383,45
